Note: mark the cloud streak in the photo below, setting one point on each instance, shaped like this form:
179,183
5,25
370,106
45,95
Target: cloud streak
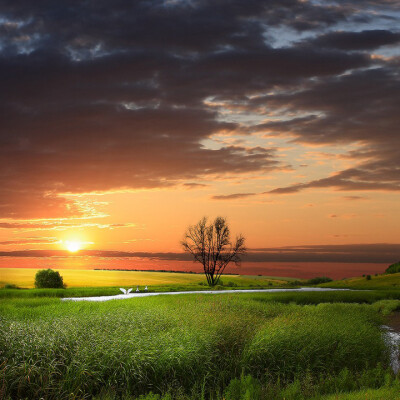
233,196
28,241
60,225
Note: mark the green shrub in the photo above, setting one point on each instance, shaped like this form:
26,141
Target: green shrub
392,269
11,286
319,279
292,391
368,277
47,278
245,388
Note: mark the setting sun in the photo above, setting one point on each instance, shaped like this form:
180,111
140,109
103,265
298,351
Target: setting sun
73,246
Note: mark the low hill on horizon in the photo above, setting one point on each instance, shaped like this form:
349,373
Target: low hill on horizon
385,281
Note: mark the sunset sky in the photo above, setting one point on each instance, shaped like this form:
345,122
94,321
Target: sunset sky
123,122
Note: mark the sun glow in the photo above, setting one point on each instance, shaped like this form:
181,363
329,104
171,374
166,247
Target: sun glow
73,246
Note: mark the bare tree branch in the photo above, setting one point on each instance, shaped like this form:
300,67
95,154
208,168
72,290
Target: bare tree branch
210,245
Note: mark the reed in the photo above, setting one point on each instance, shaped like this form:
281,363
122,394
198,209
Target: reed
63,350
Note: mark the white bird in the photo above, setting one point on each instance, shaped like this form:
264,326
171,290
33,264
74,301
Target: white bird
137,289
124,291
145,289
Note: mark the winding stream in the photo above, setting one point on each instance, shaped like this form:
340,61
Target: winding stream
392,340
391,335
144,294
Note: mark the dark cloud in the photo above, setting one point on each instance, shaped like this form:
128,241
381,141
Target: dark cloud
233,196
193,185
87,28
351,253
354,198
98,96
359,107
375,176
364,40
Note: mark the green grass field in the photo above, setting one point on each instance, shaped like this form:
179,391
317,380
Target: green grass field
385,393
231,346
25,277
389,281
309,345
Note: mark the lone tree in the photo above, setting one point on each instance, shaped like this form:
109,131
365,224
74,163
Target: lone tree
211,246
47,278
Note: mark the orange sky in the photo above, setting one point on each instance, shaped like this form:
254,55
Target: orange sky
154,220
127,122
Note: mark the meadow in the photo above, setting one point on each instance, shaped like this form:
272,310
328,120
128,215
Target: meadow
232,346
25,277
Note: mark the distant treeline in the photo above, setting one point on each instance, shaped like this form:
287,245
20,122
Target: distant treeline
155,270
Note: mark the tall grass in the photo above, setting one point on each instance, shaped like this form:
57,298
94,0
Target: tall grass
322,339
60,350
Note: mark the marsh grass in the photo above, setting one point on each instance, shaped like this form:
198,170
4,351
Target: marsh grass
322,339
185,344
372,384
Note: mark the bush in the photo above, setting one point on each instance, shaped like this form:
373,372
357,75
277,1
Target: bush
47,278
247,388
394,268
368,277
319,279
11,286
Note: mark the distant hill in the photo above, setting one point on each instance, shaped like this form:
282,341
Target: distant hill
386,281
392,269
